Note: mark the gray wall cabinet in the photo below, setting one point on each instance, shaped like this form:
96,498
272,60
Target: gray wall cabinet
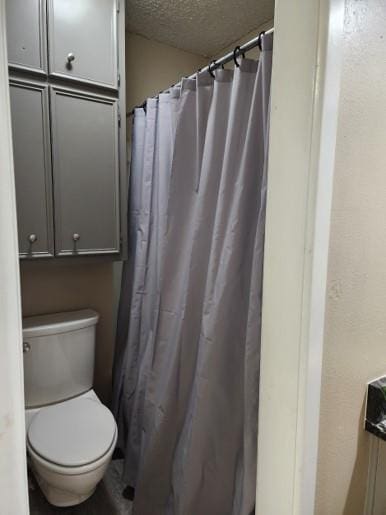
65,60
31,144
26,35
86,175
82,40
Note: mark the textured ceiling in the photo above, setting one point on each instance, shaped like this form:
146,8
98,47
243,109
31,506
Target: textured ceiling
203,27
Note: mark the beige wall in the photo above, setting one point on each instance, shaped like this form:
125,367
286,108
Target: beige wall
60,285
49,287
152,67
355,339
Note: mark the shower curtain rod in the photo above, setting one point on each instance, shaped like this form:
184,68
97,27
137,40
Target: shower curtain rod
216,63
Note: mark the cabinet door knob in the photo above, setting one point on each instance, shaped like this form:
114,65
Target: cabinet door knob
70,57
32,238
26,347
76,236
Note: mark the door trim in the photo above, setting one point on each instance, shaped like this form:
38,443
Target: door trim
13,476
306,69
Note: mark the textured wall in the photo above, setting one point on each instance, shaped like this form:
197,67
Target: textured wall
151,67
50,287
355,339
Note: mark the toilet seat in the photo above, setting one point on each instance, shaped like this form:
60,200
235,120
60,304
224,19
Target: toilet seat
72,434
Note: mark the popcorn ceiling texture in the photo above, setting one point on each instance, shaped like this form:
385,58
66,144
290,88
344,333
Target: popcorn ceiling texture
197,26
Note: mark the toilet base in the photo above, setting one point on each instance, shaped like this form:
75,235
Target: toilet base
63,487
68,485
59,497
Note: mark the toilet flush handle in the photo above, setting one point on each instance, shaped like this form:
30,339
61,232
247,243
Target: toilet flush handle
26,347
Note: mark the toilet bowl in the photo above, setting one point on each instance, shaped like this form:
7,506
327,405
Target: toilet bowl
70,434
70,446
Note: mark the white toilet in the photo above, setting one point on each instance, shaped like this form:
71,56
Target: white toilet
71,435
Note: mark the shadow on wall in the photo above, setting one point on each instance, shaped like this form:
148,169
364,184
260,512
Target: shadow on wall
54,286
356,494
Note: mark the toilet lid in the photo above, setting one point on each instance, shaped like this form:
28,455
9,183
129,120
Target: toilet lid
72,433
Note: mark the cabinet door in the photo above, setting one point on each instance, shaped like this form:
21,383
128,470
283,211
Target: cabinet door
26,34
83,40
85,165
31,145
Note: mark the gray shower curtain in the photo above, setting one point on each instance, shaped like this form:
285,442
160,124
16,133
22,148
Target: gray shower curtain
186,372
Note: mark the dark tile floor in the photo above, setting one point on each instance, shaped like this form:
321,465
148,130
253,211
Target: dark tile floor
107,499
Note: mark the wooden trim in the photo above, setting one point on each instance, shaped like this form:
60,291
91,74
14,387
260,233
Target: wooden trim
306,70
123,171
13,479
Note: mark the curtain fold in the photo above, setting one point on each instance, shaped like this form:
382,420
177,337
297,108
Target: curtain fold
152,147
188,343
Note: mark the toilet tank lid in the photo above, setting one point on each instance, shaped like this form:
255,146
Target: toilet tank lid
55,323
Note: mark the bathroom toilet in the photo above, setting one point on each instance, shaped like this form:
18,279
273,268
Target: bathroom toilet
71,435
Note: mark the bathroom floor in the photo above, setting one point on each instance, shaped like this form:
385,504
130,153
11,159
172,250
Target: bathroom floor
107,499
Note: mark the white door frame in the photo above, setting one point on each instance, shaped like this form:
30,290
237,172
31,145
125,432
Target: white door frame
304,112
13,466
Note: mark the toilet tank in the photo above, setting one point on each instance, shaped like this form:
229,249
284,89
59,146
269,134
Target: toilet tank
58,353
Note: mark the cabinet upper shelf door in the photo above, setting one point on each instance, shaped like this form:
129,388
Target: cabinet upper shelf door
31,144
85,166
26,35
83,40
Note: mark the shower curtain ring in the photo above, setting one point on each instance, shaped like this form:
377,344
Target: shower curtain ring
210,69
260,39
238,51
